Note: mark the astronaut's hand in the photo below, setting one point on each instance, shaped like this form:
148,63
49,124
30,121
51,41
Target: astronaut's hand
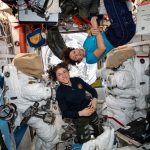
92,105
94,27
94,31
94,22
86,112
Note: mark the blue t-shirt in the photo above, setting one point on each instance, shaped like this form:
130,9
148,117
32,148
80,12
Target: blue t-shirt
90,45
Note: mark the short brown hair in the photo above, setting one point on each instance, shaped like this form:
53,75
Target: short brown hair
66,58
52,70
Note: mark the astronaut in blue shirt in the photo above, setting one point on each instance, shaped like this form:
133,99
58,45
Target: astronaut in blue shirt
98,44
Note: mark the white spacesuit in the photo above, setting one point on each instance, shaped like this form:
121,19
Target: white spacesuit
121,93
24,91
127,86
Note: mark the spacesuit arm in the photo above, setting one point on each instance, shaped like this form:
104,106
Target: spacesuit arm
35,92
121,80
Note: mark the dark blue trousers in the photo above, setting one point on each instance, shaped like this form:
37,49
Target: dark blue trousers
122,27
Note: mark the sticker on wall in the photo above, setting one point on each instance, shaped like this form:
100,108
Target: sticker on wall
35,38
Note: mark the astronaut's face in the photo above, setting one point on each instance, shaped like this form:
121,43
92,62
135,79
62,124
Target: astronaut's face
77,54
62,75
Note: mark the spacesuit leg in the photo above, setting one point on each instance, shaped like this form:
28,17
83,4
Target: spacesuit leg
38,144
46,133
